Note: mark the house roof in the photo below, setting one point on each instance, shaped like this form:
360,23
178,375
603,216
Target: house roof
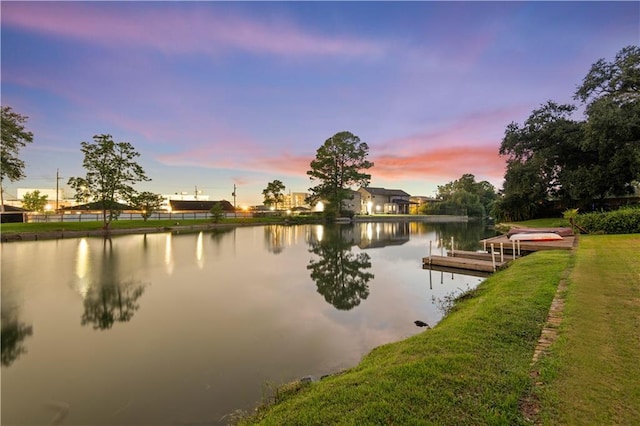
385,192
13,209
97,205
197,205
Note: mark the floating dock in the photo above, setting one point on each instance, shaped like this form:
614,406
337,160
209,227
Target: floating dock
498,252
448,270
566,243
465,263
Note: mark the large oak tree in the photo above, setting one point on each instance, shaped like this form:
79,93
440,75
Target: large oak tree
339,164
578,163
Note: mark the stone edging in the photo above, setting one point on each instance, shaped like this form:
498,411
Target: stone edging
531,406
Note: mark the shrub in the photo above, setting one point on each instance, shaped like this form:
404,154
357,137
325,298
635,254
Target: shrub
623,221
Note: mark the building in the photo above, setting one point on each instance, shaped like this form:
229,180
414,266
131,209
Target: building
353,202
198,205
181,196
294,200
383,201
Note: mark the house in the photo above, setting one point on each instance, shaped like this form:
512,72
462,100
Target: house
353,202
382,200
350,204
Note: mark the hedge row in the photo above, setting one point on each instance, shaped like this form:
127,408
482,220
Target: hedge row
623,221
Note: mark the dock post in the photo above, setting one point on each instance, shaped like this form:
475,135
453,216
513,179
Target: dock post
430,250
493,257
501,252
441,247
513,249
452,250
484,245
518,247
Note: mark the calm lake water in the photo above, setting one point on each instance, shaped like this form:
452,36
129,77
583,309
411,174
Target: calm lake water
183,329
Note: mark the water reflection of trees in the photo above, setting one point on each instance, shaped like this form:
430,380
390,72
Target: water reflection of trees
466,235
274,238
338,273
14,333
218,234
109,298
109,302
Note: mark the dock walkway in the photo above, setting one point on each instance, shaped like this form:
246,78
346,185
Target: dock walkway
466,263
504,251
566,243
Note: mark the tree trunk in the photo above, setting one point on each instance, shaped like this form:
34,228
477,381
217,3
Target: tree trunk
105,225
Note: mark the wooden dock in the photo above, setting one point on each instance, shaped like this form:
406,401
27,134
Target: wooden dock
461,271
463,263
482,255
504,251
567,243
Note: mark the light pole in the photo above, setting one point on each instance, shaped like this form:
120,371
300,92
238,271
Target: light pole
235,213
58,177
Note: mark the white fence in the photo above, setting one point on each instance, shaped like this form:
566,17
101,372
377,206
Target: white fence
92,217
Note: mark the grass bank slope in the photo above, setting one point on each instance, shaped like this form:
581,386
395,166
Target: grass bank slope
473,368
592,375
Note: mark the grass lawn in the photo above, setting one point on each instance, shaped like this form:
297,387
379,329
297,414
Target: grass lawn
126,224
549,222
472,368
592,375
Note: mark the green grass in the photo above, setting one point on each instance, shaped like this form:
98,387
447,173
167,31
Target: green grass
472,368
549,222
127,224
593,373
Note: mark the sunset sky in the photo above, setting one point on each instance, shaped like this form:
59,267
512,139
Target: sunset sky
213,94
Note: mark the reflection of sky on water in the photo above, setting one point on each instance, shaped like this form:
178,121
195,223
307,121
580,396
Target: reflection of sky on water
222,315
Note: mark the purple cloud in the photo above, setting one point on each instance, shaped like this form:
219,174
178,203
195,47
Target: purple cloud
171,29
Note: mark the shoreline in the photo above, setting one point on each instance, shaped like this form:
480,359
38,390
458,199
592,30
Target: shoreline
11,236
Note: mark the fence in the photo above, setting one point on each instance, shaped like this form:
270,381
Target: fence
92,217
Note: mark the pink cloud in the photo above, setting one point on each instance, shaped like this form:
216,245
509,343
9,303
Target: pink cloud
448,163
468,145
431,164
475,128
175,30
